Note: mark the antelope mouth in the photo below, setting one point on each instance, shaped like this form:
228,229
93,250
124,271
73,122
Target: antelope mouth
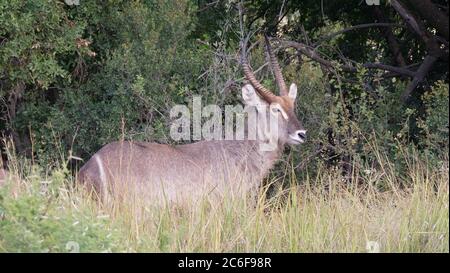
298,137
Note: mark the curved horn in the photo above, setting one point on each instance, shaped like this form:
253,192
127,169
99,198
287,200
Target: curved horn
276,69
264,92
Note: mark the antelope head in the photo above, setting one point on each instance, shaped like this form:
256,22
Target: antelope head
280,107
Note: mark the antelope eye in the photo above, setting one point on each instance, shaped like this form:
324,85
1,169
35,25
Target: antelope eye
276,110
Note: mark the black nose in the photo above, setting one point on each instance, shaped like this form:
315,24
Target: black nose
302,135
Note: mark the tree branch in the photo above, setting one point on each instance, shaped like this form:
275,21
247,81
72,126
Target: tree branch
390,37
312,54
418,27
426,66
369,25
434,51
434,16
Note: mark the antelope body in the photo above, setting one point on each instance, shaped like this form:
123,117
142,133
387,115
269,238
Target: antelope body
173,173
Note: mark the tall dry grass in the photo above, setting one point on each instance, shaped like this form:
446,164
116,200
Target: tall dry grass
321,213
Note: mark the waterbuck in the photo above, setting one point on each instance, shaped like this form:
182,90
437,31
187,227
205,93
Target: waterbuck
176,172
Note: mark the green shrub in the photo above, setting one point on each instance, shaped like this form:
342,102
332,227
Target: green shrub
435,122
42,217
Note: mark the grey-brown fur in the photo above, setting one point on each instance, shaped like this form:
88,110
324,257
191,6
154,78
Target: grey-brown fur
166,172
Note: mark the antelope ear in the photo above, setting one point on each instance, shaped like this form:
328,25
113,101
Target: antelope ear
293,91
250,97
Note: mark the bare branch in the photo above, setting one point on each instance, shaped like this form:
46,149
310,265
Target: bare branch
407,16
208,5
434,51
390,37
420,75
434,16
334,34
418,27
312,54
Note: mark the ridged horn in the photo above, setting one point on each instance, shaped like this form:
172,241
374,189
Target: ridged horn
276,68
265,93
